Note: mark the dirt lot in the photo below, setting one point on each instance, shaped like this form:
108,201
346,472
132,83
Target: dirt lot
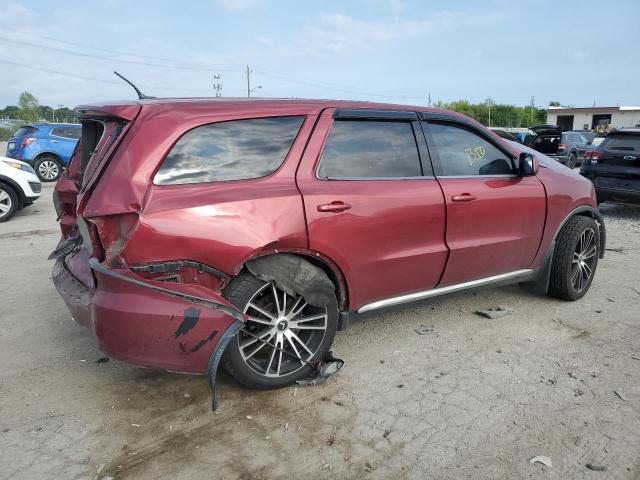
476,398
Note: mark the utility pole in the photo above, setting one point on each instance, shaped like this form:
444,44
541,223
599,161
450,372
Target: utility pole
533,99
248,81
489,102
217,86
429,102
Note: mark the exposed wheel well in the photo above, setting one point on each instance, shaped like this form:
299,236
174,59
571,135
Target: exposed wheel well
332,272
591,213
48,154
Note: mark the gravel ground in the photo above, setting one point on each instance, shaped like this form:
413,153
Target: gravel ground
475,398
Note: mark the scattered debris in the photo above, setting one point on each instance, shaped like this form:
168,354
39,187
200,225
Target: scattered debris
635,358
596,468
136,425
400,385
572,375
100,468
186,395
331,440
249,417
386,433
577,392
610,300
295,391
578,441
286,426
541,459
497,312
598,311
620,396
425,329
102,360
552,382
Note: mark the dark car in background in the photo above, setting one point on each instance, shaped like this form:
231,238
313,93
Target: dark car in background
47,147
568,148
614,167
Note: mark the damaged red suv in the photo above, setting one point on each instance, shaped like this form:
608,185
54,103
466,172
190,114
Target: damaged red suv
246,232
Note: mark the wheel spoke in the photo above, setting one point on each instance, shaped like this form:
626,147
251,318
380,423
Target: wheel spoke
4,208
296,311
576,257
587,270
257,349
276,300
260,321
3,195
590,253
288,337
273,354
574,276
304,345
262,311
280,356
255,339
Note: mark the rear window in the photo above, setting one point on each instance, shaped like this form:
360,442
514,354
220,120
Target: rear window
630,143
22,131
67,132
233,150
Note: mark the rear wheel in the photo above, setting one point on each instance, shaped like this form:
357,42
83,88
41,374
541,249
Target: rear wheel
575,259
282,335
573,160
47,168
8,202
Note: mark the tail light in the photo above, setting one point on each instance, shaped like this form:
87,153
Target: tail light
112,234
28,141
562,146
591,157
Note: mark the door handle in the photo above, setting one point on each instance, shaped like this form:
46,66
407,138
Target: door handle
54,141
629,157
336,207
465,197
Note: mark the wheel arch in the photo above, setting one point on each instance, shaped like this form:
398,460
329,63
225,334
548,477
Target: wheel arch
44,153
15,187
318,260
587,211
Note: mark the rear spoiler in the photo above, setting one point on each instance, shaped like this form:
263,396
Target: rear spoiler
126,111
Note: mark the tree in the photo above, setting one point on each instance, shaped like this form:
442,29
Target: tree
29,107
554,103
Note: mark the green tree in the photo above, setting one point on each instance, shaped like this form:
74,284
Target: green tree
29,107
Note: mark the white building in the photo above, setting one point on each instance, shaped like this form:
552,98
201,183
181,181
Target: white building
593,118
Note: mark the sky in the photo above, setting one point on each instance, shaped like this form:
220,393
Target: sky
392,51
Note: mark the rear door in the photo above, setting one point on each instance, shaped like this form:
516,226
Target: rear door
494,217
372,204
619,165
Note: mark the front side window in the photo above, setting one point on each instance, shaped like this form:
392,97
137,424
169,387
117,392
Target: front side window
233,150
462,152
370,149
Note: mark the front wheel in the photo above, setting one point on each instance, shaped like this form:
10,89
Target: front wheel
282,336
575,259
47,168
573,160
8,202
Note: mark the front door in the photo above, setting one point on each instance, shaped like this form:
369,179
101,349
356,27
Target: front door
370,206
495,218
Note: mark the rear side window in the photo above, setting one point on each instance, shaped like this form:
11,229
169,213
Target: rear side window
629,143
234,150
67,132
462,152
367,149
22,131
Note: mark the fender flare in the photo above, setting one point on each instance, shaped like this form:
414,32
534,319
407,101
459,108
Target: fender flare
540,284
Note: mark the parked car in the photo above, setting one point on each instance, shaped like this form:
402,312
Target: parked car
567,148
506,135
19,187
248,232
614,167
47,147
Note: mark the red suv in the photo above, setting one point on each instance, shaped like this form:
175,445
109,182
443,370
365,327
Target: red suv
248,231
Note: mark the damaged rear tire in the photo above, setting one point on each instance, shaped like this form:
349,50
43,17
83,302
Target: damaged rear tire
282,337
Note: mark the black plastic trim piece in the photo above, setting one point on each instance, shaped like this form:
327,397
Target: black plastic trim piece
214,360
598,217
366,114
175,266
233,312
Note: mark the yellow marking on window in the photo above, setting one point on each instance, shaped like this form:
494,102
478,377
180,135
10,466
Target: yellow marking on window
475,153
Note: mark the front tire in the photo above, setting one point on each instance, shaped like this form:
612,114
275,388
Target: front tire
573,160
575,259
8,202
48,168
294,331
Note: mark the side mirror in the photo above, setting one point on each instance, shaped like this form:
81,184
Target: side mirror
527,165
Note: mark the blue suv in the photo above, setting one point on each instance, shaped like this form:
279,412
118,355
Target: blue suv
47,147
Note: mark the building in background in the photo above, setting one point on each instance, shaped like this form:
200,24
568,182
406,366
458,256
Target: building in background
593,118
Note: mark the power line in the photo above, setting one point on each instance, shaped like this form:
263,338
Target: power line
100,57
117,52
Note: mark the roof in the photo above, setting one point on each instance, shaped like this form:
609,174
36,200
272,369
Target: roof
623,108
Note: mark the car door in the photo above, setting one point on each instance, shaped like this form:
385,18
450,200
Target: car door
64,142
495,218
372,204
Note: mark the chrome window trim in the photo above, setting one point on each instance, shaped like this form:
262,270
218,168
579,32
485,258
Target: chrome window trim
434,292
506,175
